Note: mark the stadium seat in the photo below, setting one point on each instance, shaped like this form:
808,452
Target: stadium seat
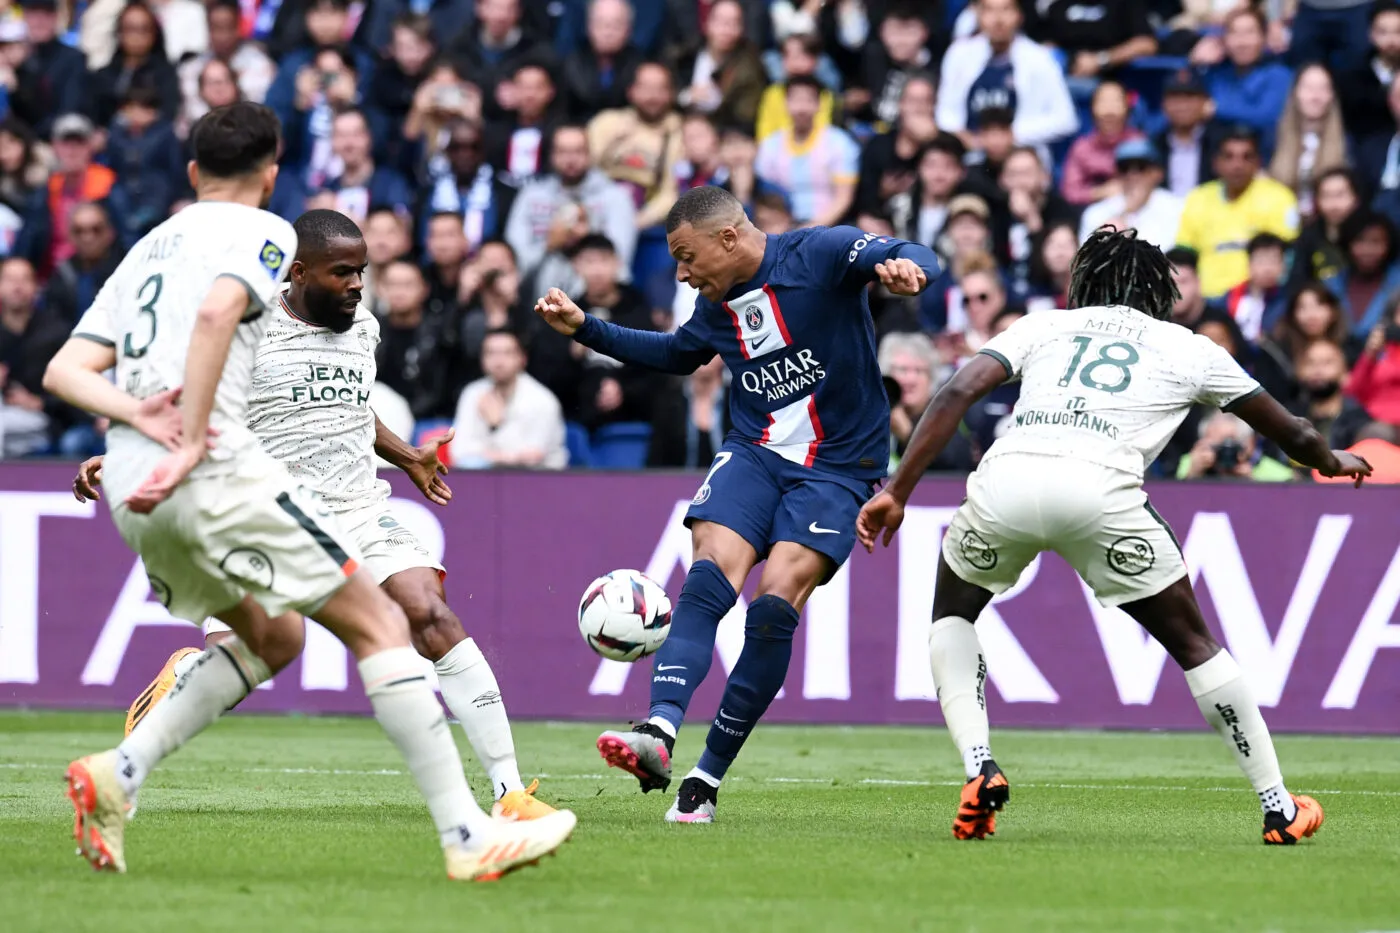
576,440
429,428
428,431
621,446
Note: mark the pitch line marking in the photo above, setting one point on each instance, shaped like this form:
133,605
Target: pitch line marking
867,782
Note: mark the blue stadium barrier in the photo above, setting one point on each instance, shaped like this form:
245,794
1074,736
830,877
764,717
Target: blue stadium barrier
621,446
577,442
429,427
652,258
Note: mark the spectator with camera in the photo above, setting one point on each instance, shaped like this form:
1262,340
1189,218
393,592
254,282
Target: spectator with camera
1375,379
1227,450
552,214
412,356
489,292
464,183
913,370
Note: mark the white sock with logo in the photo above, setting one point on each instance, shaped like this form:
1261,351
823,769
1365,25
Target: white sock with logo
960,675
410,713
214,682
469,688
1227,704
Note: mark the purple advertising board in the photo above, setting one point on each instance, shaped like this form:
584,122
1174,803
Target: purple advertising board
1300,582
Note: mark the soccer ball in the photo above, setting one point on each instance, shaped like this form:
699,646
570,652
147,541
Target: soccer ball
624,615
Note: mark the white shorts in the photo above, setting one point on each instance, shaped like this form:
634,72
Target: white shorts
1095,517
386,546
252,533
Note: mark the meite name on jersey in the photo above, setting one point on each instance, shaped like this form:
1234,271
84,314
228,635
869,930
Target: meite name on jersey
1109,385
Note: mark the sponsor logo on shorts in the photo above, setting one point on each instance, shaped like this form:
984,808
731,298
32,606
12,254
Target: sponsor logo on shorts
977,551
160,590
248,565
1131,556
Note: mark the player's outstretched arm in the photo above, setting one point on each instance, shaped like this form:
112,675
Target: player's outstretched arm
680,353
936,427
1298,438
422,464
75,374
905,268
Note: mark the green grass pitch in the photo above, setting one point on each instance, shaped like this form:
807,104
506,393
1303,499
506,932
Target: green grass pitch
293,824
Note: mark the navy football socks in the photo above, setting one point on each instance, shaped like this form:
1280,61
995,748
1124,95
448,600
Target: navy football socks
685,658
754,682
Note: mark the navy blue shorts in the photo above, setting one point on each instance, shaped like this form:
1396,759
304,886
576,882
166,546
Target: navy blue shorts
766,499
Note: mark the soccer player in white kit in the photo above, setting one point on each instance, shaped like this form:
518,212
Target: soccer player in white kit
221,526
1103,388
308,406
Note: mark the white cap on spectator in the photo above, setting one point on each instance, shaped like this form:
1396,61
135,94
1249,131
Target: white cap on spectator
13,29
73,125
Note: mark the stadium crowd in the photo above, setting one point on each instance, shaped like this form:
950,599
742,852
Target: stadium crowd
492,149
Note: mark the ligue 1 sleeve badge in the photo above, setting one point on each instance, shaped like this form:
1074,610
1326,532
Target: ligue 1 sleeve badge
272,258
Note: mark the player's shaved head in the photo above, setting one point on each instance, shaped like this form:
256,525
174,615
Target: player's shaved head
327,275
318,229
705,208
1115,268
714,244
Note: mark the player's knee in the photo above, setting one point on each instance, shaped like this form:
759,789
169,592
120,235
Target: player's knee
770,618
435,627
279,644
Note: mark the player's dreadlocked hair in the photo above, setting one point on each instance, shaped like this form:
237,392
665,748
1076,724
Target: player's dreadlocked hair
317,228
1114,267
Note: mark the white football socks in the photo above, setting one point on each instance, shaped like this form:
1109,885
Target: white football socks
469,688
1227,704
217,681
705,776
410,713
960,676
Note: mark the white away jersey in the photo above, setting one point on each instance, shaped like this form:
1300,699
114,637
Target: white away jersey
309,405
147,311
1109,385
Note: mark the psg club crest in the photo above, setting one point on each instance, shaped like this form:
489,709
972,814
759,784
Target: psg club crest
754,318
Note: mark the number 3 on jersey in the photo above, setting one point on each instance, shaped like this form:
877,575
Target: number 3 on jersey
1115,360
148,294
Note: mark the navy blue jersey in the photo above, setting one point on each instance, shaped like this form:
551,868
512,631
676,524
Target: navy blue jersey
800,344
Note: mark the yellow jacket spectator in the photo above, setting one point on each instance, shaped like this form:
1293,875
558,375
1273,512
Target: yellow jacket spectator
802,54
1222,216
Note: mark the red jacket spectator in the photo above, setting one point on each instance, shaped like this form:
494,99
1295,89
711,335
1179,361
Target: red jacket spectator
1375,382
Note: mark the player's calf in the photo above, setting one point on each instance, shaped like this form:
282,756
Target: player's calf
468,686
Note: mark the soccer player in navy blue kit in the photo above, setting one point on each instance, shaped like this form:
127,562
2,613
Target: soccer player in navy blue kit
790,317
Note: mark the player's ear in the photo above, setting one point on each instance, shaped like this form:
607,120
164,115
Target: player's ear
192,170
297,271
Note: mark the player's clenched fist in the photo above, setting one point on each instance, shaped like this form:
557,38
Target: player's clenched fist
902,276
882,513
559,312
